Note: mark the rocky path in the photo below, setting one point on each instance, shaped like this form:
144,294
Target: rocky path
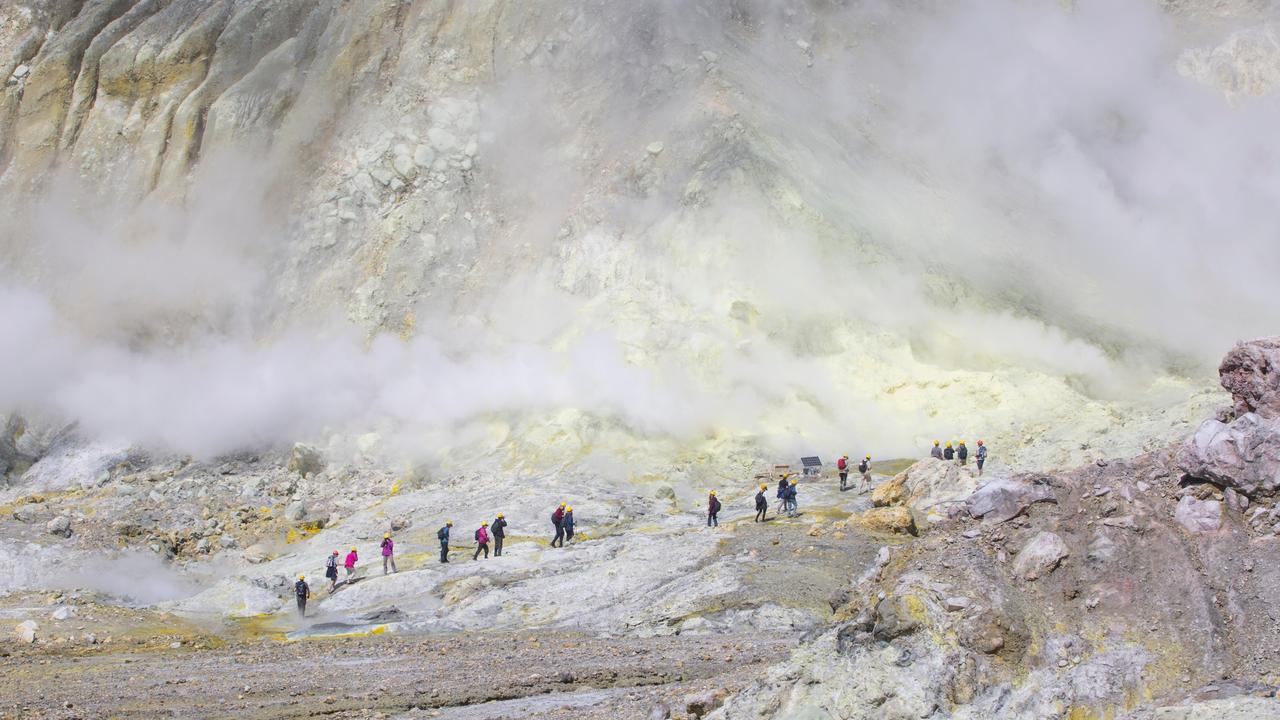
479,675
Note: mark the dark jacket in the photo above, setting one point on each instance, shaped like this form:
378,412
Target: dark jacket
713,505
963,452
948,454
568,521
782,488
557,517
499,527
761,502
936,452
443,534
301,590
791,492
864,466
982,452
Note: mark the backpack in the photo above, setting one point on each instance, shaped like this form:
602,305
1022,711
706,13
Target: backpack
842,464
441,533
477,535
715,505
862,467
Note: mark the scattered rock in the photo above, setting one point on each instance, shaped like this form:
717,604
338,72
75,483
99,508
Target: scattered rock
1001,500
1251,373
654,148
957,603
26,631
64,612
295,512
704,703
1198,516
889,520
60,526
255,553
1243,456
1040,556
659,712
306,459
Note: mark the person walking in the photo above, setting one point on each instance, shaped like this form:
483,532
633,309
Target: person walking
388,554
793,502
557,519
982,457
713,510
936,452
443,536
350,563
302,591
499,531
782,492
948,453
843,466
864,467
762,504
331,570
482,541
568,524
962,453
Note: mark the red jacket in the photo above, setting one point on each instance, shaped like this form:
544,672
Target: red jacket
558,516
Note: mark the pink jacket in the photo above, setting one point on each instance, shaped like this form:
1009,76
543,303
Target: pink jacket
351,559
482,535
387,547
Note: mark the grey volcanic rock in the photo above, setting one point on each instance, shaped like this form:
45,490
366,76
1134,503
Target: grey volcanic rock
1199,516
1251,373
1244,455
1005,499
1040,556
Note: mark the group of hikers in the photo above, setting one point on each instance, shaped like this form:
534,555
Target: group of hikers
562,517
960,453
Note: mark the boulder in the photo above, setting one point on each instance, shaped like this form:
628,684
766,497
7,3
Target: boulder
1040,556
888,520
892,492
1004,499
255,553
704,703
898,615
1198,516
26,513
1244,455
295,512
60,526
64,612
1251,373
306,459
26,631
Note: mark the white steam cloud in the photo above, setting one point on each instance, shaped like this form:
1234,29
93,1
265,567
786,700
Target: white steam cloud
897,196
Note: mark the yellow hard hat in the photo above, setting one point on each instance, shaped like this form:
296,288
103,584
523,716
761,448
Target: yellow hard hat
561,504
569,509
449,523
302,577
846,457
764,486
484,523
353,549
935,442
386,535
500,515
961,442
793,482
713,492
948,444
868,457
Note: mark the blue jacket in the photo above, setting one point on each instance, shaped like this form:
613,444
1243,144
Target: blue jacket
568,521
443,534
